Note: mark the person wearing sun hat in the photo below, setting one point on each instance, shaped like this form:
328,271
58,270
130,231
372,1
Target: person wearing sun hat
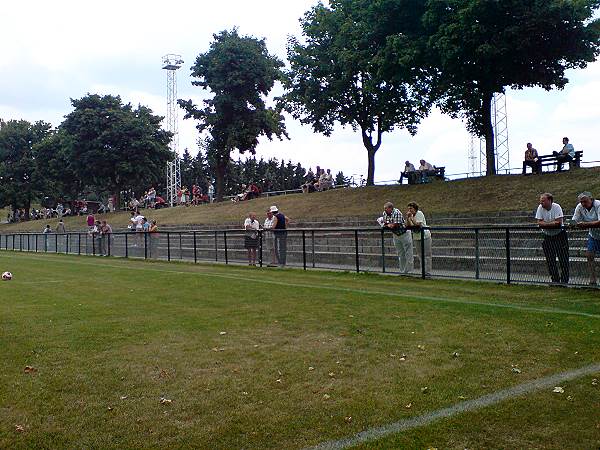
280,235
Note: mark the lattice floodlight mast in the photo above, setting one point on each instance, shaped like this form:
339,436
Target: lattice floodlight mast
501,147
171,63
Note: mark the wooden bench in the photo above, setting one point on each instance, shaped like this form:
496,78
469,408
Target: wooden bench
550,160
417,178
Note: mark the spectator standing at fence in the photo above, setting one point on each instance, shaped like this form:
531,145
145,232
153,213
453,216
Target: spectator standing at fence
409,173
416,218
393,220
532,160
280,235
268,240
60,228
251,226
567,154
549,216
106,235
587,216
154,238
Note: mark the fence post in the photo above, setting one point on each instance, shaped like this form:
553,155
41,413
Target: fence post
93,245
108,246
36,242
195,256
168,246
312,240
56,243
225,244
383,250
260,248
13,243
216,246
79,243
20,242
66,244
180,246
126,245
508,256
304,249
423,268
145,245
356,251
477,253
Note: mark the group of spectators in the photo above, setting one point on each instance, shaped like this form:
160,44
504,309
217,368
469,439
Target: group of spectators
532,158
274,236
249,192
320,181
417,176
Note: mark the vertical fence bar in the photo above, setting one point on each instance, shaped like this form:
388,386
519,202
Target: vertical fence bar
108,245
168,246
477,275
93,245
422,250
260,248
382,250
225,244
66,244
356,251
20,242
79,243
56,243
195,255
145,245
126,245
216,246
312,240
304,249
36,242
180,246
508,255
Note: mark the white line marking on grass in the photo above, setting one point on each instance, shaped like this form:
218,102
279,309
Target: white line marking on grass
372,434
407,296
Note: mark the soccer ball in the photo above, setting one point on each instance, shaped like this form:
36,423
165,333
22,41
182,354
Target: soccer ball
6,276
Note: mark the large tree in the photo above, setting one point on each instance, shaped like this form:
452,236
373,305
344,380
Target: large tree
360,63
240,72
114,146
19,183
483,46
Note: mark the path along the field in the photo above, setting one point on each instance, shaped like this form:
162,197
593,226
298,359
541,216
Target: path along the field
256,358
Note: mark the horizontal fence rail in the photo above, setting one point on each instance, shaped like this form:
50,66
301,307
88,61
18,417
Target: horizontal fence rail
520,254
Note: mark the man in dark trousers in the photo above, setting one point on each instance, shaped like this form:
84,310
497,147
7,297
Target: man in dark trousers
280,235
549,216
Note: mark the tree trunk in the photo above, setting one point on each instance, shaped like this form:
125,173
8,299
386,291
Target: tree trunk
367,138
490,151
371,168
220,180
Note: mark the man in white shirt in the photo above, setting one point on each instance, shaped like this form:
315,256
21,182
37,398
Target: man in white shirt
567,154
587,216
426,170
408,173
549,217
416,218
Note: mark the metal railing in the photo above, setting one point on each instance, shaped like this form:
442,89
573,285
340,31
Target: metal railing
502,254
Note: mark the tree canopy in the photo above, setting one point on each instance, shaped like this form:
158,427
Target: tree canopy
240,73
361,64
115,147
480,47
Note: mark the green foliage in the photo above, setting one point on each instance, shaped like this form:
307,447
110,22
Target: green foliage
240,73
19,181
483,46
113,146
361,64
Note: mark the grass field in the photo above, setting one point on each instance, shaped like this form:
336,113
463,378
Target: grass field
283,359
498,193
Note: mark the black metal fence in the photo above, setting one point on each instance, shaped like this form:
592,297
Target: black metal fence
505,254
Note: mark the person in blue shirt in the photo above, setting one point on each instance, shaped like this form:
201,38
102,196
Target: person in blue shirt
567,154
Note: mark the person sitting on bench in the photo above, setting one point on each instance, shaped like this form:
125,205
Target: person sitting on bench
409,173
426,170
567,154
532,160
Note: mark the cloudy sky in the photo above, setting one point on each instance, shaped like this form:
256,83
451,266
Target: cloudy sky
54,51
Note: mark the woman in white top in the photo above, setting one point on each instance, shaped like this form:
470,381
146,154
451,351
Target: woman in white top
268,241
416,218
251,226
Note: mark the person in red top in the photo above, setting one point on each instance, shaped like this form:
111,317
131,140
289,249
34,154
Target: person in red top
90,221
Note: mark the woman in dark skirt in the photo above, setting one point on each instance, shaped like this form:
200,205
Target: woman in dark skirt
251,225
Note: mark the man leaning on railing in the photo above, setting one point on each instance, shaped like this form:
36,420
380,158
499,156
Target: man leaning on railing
587,216
393,220
549,217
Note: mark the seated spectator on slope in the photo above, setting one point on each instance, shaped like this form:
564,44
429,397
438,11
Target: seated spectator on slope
425,170
532,160
567,154
325,180
252,192
159,202
409,173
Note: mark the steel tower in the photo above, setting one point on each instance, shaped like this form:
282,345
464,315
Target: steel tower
501,147
171,63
